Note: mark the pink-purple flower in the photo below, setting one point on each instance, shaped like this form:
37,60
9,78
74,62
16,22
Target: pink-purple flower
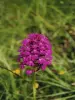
35,52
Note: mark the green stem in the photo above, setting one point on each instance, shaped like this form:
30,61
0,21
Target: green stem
34,89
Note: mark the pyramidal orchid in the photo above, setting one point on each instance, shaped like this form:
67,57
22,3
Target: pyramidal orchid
36,52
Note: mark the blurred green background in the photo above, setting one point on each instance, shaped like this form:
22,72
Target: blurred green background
56,20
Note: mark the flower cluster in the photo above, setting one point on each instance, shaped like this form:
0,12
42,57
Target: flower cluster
35,52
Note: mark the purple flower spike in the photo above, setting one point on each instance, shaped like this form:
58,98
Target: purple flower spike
35,52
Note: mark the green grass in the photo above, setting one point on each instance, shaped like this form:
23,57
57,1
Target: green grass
55,19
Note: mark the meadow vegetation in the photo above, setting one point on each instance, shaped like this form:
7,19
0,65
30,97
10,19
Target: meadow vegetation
56,20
